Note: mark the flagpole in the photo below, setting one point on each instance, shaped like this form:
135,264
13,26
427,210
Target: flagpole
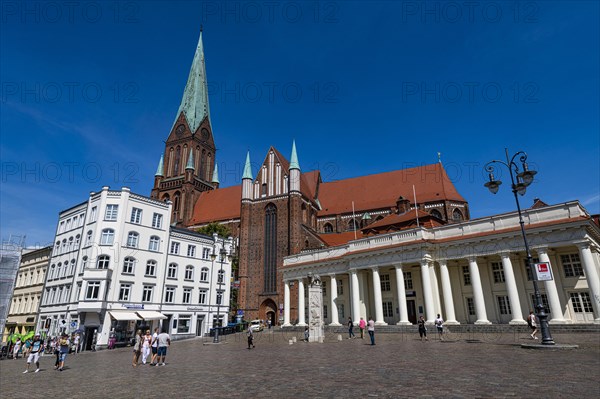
354,220
416,208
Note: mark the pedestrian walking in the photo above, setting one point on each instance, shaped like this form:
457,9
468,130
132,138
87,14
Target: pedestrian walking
137,348
147,341
371,329
306,334
250,338
17,348
154,347
163,342
362,324
532,323
439,324
422,328
37,346
76,343
56,351
65,344
350,327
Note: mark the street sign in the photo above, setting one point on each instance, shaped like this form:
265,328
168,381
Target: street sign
74,324
543,272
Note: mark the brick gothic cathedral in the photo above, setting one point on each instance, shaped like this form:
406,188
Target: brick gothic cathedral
283,211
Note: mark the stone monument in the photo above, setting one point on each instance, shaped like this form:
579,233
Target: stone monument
315,309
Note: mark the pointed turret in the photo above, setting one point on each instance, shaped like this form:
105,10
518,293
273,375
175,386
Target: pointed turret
159,169
294,164
194,103
215,176
294,170
247,168
247,179
190,162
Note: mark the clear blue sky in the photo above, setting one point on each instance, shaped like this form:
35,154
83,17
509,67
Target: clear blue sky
90,91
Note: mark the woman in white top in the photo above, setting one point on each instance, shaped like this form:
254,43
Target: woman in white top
146,346
439,323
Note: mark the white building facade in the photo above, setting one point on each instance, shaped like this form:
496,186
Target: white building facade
118,266
472,272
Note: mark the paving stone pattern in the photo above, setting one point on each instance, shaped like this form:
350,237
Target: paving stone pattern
399,365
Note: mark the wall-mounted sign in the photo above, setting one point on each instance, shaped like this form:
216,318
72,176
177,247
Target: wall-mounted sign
133,305
543,272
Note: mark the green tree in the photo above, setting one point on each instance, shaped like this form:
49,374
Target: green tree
214,227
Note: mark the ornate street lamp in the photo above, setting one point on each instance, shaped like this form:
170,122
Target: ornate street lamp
222,255
520,180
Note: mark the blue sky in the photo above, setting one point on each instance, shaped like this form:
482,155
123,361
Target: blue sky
90,91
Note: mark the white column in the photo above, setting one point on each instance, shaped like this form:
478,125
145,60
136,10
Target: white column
377,298
447,292
556,313
511,288
301,316
591,275
435,289
286,304
477,293
354,292
427,294
401,291
335,321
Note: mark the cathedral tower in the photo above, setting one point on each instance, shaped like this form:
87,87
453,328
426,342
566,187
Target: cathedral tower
187,166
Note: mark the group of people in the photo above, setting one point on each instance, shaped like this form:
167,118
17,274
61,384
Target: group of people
362,324
61,346
151,343
439,325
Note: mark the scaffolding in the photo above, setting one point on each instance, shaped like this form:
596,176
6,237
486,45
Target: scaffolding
10,259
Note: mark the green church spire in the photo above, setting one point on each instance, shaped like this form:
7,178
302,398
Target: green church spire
194,103
159,169
215,176
190,162
294,158
247,168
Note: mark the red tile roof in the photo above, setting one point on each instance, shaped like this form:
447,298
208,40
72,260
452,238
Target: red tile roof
334,239
382,190
217,205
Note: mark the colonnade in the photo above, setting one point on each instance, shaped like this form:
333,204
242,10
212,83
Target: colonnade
431,294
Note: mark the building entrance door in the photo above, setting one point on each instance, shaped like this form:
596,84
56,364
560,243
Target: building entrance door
199,323
412,311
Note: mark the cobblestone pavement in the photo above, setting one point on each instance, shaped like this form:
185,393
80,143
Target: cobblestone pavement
399,365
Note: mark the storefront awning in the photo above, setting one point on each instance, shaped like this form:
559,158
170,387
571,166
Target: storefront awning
124,315
151,315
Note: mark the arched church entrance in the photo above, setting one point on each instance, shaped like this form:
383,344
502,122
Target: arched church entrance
268,311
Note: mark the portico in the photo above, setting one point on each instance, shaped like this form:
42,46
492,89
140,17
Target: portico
471,272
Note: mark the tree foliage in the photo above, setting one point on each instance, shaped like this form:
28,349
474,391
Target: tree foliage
214,227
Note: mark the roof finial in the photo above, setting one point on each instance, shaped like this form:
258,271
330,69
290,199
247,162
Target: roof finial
439,157
200,28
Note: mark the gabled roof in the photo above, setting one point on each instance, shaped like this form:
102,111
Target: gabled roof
382,190
217,205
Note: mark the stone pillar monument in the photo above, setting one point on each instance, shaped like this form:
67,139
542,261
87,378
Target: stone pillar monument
315,309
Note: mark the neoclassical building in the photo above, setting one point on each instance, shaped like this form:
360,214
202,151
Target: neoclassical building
469,272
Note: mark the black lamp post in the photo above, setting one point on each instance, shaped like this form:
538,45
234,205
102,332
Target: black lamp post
222,255
520,180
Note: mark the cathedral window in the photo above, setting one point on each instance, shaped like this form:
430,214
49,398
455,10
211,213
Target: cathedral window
457,215
177,161
436,213
270,252
352,225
